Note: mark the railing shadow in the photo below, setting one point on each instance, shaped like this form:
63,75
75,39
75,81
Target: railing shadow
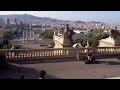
15,72
51,77
45,61
108,56
118,58
109,62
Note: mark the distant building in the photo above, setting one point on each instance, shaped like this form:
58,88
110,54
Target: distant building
7,21
46,26
28,34
1,23
36,26
15,20
118,27
81,31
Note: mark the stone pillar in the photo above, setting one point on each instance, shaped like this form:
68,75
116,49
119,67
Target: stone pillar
33,36
54,32
26,36
30,36
23,36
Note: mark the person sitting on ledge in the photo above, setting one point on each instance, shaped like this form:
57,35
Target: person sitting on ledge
42,74
91,58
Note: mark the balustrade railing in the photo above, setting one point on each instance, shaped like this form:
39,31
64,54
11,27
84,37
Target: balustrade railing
20,54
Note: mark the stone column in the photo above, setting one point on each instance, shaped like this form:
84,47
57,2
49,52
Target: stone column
33,36
30,36
54,32
26,36
23,36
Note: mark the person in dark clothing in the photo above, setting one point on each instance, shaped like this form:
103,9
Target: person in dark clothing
91,58
42,74
22,77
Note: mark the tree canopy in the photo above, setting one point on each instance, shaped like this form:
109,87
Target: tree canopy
47,35
93,38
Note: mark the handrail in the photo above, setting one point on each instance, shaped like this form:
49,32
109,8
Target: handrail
60,48
19,54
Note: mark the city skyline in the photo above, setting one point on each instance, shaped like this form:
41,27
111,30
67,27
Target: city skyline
110,17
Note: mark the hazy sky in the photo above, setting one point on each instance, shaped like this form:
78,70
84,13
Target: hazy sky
111,17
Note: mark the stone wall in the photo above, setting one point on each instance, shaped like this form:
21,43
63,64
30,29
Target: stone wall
108,42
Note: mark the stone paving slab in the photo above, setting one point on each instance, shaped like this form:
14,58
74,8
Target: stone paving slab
107,68
113,78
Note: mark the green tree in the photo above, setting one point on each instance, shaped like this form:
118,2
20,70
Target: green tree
47,35
1,45
8,35
95,43
80,40
93,37
42,34
84,42
89,35
90,42
5,46
5,41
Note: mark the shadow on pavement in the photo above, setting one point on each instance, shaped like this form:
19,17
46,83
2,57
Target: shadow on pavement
118,58
51,77
15,72
44,61
110,62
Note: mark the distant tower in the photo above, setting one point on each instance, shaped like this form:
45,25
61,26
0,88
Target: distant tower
1,23
28,34
22,25
15,20
7,21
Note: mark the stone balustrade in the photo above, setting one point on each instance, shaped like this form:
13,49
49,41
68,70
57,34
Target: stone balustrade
39,54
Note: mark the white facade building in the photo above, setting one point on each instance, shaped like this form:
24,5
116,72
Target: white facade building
80,31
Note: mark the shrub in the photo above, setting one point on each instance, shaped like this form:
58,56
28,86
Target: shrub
1,45
95,43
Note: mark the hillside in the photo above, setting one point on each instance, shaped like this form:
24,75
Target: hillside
23,17
28,17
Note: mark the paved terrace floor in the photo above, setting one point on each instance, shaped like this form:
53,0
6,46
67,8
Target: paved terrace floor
64,70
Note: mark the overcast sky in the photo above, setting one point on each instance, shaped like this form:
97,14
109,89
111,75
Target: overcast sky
111,17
